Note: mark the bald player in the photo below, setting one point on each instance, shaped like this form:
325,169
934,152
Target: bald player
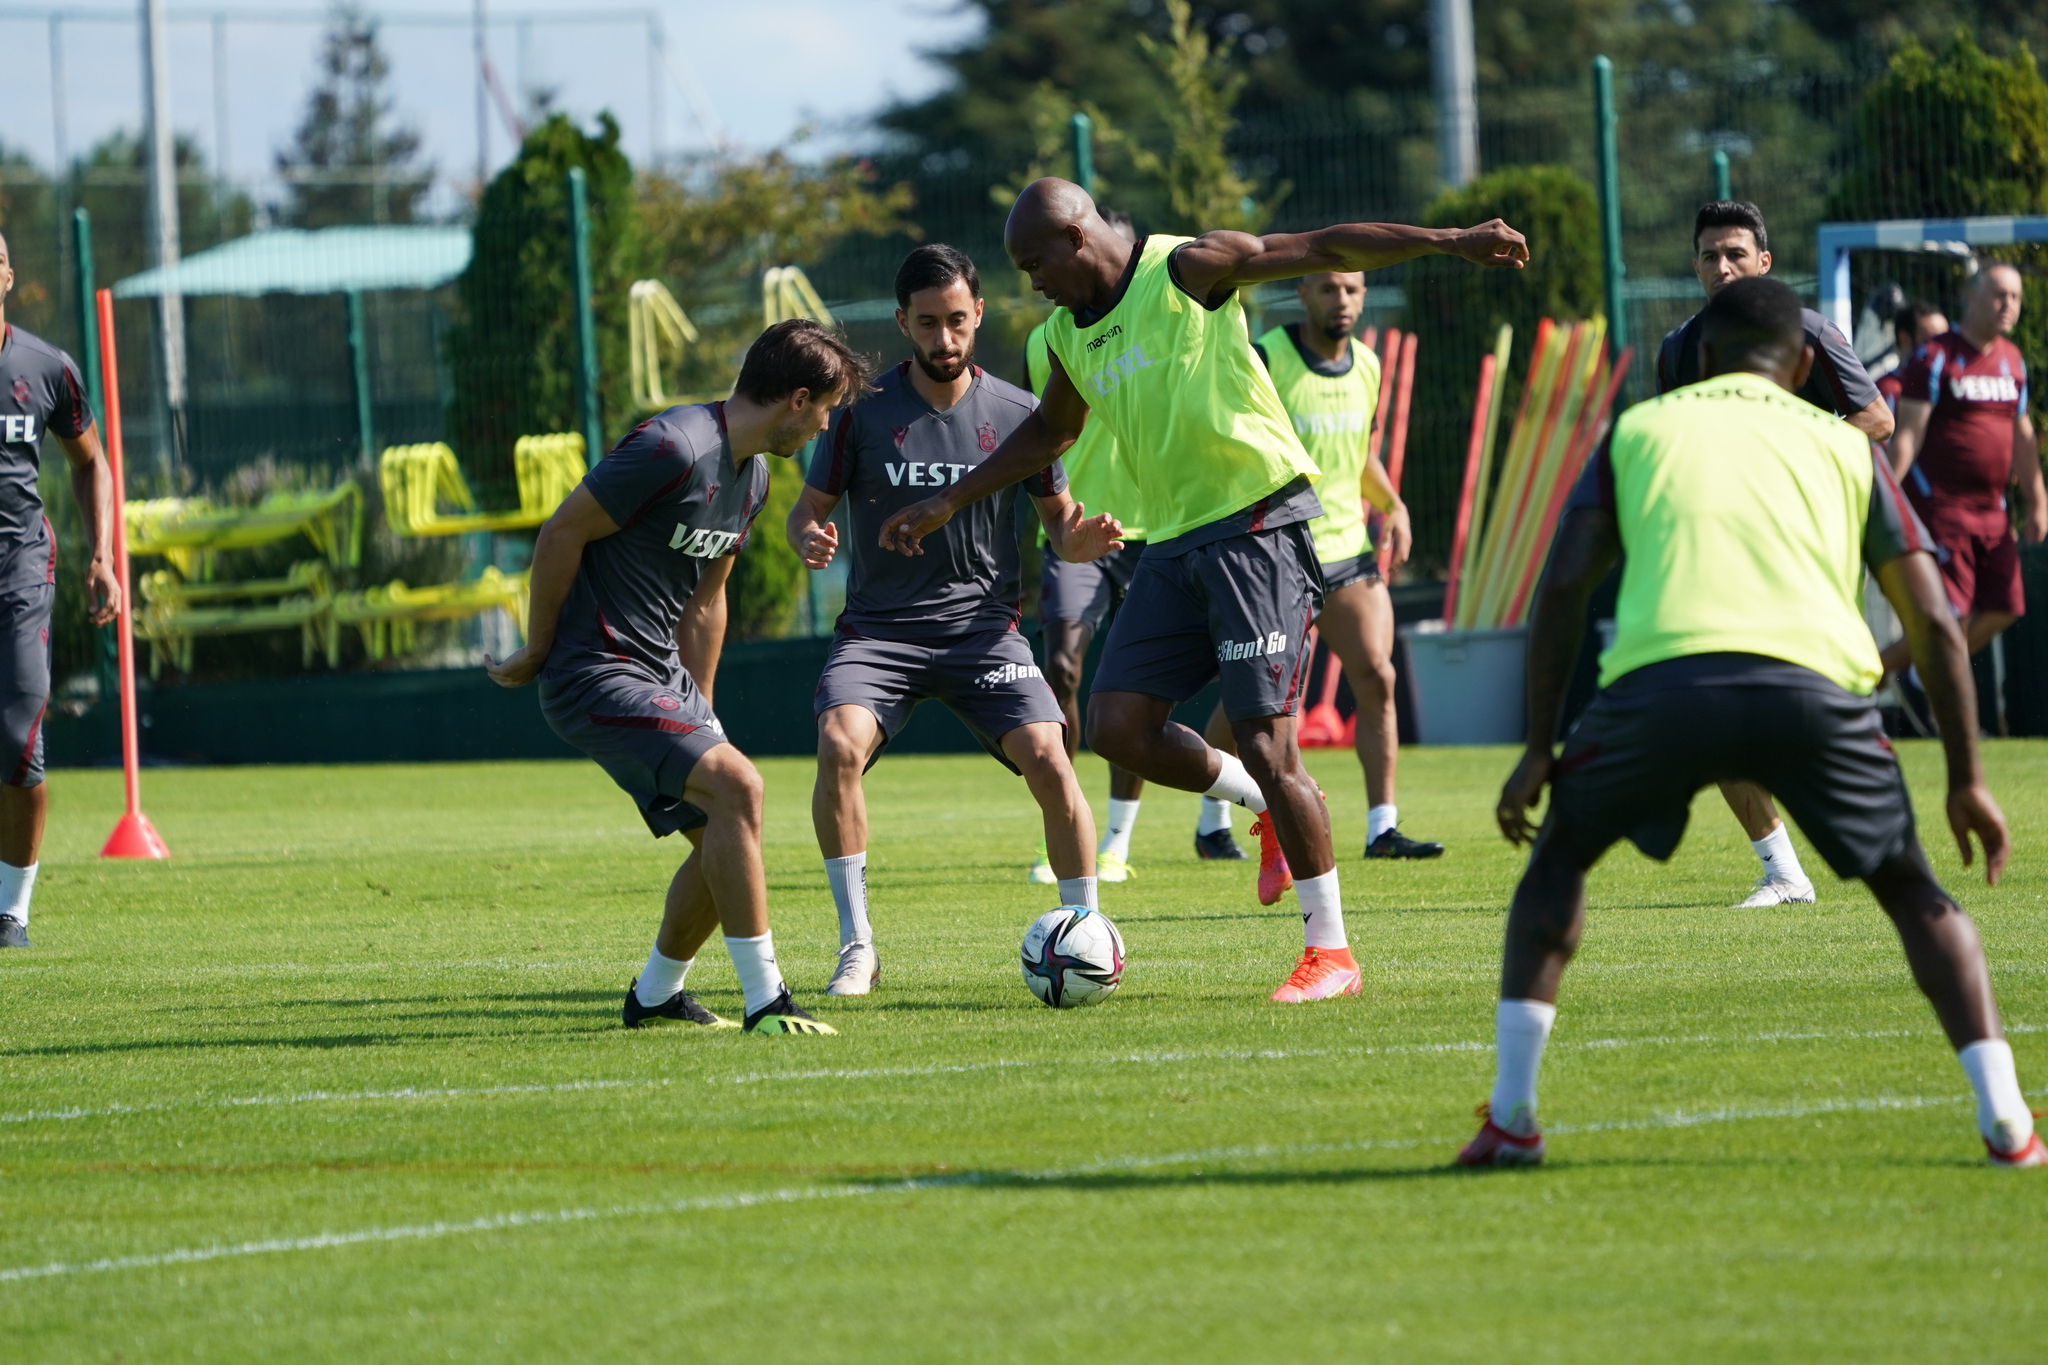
40,394
1150,339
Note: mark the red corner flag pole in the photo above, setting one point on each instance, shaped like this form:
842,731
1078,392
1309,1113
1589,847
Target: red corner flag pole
133,836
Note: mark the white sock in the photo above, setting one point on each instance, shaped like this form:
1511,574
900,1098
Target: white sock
1078,891
17,885
754,960
1122,816
1999,1102
1379,820
1215,815
1520,1029
1774,851
849,880
661,978
1322,911
1235,785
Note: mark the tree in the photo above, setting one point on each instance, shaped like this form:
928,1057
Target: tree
1203,188
349,161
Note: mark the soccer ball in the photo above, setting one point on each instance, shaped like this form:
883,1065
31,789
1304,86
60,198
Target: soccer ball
1072,956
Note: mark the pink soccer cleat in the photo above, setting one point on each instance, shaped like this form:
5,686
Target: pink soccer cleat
1275,876
1496,1146
1321,974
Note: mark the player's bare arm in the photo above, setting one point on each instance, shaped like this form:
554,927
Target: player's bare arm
1075,536
1910,434
1217,262
1588,543
557,554
1874,421
1039,440
700,634
1912,584
92,487
810,529
2026,471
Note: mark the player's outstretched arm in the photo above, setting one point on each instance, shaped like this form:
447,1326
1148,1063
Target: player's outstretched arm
810,530
1912,584
1075,536
557,554
700,635
92,488
1217,262
1038,440
1588,543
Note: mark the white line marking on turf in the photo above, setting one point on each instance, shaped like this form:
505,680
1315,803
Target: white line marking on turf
500,1222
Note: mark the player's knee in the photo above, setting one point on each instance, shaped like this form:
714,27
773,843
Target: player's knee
1377,682
732,783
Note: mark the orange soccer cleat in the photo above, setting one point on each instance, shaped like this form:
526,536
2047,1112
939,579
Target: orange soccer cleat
1275,876
1321,973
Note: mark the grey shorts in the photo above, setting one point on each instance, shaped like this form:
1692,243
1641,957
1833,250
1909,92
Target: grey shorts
646,735
1639,753
988,679
1359,568
1237,608
24,681
1086,592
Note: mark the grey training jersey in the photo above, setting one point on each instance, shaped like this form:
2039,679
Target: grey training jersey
680,502
889,451
40,391
1838,383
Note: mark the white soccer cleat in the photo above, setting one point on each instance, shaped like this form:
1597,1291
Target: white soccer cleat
1778,891
1111,868
1041,871
859,969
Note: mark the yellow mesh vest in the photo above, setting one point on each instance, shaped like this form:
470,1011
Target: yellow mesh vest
1333,418
1193,411
1097,476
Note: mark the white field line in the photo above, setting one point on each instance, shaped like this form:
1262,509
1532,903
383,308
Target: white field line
425,1093
499,1222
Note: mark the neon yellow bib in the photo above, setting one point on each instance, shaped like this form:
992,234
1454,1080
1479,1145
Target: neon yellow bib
1742,511
1195,414
1333,418
1097,475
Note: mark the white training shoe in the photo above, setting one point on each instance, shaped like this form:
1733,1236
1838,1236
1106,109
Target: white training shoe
859,969
1778,891
1041,871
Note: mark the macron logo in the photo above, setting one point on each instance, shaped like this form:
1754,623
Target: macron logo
1232,650
1008,673
1985,388
18,428
705,544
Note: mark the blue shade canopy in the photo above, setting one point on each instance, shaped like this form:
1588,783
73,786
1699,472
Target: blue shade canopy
324,261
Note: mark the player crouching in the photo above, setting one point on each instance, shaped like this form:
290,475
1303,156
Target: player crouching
625,624
1728,497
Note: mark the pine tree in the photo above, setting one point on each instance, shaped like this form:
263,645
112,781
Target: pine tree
351,161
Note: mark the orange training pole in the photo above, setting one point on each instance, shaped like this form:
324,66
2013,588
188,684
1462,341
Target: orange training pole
133,836
1466,495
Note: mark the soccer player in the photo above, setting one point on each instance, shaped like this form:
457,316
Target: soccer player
1075,600
1731,243
40,393
1150,340
1331,388
626,618
1747,518
942,625
1913,326
1964,436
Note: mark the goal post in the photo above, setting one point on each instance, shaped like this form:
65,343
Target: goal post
1837,240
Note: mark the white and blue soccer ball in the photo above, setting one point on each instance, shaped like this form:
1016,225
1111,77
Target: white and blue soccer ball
1073,956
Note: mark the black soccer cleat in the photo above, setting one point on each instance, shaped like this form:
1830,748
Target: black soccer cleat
13,933
681,1007
1392,843
784,1015
1218,846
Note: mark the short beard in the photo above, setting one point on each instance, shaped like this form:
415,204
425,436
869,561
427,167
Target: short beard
1336,331
938,376
789,439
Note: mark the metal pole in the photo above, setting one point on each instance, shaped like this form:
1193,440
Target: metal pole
655,113
1721,189
359,367
483,113
1612,269
1084,152
163,201
57,128
1455,67
88,311
220,97
586,322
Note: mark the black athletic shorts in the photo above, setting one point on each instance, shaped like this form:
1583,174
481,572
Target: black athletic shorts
24,681
1634,760
1238,608
647,735
1358,568
1086,592
988,679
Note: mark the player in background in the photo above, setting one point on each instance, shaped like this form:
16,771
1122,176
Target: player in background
40,393
1330,386
1075,600
625,622
941,626
1965,436
1913,326
1747,519
1731,243
1150,340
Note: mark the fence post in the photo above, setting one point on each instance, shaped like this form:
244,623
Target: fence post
1612,270
586,323
359,366
88,311
1084,152
1721,189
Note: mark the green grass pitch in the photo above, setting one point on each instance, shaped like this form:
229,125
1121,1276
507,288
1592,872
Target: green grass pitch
345,1081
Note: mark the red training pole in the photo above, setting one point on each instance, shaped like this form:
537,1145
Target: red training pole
1470,492
133,836
1397,440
